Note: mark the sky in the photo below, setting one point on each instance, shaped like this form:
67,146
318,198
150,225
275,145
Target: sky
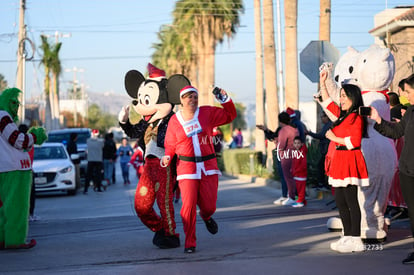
103,39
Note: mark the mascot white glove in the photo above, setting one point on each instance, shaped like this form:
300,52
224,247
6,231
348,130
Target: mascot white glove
123,114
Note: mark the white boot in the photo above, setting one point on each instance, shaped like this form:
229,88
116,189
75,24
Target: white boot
334,245
351,244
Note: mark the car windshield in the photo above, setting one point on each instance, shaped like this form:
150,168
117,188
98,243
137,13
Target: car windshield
49,152
64,137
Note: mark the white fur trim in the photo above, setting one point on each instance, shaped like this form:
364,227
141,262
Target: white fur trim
188,90
324,104
348,181
158,78
198,175
348,143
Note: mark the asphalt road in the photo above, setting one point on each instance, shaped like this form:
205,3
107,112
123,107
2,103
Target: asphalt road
99,233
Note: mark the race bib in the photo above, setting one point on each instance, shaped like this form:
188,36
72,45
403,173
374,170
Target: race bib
192,127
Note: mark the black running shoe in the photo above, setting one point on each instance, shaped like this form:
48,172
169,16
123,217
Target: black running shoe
211,226
409,259
189,250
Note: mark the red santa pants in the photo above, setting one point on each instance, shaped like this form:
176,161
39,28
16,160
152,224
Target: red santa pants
195,192
301,189
157,183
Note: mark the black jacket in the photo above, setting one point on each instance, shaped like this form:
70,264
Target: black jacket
72,147
109,149
138,130
398,129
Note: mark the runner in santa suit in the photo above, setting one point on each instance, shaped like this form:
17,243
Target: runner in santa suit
190,137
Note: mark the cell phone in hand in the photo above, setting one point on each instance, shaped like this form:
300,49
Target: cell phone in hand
364,111
217,93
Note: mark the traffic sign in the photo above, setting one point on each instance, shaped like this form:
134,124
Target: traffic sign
313,55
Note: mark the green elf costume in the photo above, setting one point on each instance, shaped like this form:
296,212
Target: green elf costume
15,173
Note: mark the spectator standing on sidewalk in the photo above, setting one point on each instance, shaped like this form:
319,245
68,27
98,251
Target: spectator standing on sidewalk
346,167
237,139
395,130
284,147
95,165
72,147
124,153
300,170
109,152
272,136
297,123
323,149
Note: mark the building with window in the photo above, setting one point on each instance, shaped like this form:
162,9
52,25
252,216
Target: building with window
394,29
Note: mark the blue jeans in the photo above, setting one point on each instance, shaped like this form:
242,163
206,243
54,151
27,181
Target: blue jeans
125,171
108,169
282,178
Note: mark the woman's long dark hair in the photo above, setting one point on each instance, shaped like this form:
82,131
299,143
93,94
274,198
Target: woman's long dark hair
354,94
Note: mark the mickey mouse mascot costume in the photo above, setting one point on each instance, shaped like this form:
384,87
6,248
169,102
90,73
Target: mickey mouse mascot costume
15,173
147,119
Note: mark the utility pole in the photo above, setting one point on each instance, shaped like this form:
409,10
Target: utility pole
260,108
75,92
324,35
279,56
21,60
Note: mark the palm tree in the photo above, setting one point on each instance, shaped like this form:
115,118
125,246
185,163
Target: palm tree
207,23
270,71
325,20
50,60
172,53
291,46
270,65
56,70
46,61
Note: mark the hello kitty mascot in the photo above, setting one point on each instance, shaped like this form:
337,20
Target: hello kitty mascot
373,71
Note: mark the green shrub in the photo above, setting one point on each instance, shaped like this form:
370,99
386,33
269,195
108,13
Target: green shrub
313,158
238,161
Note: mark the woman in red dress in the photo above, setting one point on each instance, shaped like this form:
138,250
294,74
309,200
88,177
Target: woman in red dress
346,169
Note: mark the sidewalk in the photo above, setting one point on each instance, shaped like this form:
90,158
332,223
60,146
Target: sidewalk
311,193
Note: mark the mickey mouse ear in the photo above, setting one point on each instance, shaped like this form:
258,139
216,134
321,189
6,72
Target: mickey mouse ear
175,84
133,80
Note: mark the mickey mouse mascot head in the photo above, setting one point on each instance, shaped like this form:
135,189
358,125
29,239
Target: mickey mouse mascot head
147,119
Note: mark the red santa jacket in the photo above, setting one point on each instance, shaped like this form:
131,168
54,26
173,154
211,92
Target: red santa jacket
193,140
299,163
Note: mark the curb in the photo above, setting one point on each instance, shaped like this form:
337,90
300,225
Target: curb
311,193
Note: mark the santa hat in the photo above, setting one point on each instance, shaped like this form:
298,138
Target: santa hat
155,73
187,89
291,112
95,132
